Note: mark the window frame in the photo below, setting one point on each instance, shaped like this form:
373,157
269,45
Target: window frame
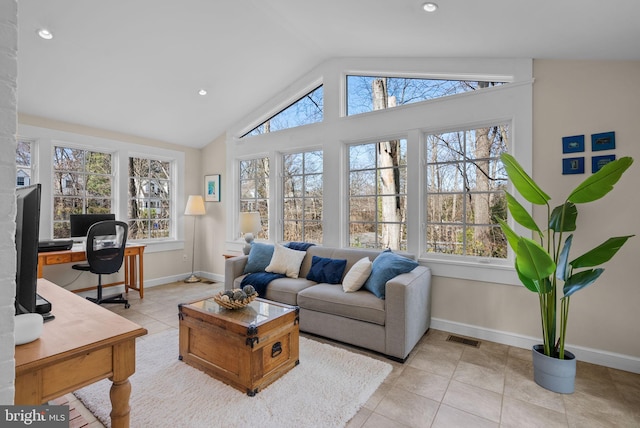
171,220
47,138
376,169
464,224
304,196
32,160
267,118
266,225
84,198
511,103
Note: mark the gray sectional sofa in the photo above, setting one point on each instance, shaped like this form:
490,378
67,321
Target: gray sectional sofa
391,326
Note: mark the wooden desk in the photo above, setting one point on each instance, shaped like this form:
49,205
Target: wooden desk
83,344
132,254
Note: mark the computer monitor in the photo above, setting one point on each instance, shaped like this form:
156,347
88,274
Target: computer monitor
27,238
80,223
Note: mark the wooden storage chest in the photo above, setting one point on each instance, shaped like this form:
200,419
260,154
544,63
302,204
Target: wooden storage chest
247,348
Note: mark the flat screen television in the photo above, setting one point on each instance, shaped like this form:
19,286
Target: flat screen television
80,223
27,237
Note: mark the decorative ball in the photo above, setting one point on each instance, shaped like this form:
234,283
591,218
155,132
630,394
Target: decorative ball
249,290
228,293
239,295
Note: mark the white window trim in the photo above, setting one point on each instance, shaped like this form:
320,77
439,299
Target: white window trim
281,183
47,138
507,103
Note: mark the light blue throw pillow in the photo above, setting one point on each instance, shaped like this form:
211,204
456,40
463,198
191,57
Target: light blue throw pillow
259,257
386,266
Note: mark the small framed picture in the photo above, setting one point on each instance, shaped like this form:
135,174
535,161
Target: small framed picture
573,144
212,188
604,141
598,162
573,166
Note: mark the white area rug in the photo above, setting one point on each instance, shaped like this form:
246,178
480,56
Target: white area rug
326,389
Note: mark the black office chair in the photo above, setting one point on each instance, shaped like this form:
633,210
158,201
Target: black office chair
106,241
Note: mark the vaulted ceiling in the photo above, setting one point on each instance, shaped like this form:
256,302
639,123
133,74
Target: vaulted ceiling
136,67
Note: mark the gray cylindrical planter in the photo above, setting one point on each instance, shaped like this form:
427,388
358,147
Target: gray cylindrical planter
552,373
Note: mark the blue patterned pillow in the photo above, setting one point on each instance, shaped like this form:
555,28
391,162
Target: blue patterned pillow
386,266
325,270
259,257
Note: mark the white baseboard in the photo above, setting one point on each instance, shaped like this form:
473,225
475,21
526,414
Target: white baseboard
149,283
595,356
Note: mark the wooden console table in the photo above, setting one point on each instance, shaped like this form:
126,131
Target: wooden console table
133,266
82,345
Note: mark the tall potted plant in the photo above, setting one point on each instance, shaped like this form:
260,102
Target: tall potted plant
543,264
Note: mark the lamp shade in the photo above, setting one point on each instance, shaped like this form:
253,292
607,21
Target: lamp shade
195,205
250,222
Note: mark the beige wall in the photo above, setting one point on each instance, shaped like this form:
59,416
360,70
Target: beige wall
213,224
574,98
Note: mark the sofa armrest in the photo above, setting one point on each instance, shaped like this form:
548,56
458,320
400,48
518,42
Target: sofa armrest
233,268
407,310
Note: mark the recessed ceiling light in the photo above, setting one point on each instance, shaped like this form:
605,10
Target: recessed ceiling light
45,34
430,7
202,92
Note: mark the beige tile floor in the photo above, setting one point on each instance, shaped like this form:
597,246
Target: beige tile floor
446,384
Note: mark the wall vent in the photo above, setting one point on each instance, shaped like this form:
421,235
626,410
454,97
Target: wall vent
464,341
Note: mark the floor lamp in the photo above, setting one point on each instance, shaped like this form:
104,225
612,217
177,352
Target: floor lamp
195,207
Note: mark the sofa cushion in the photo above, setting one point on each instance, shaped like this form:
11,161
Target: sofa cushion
384,267
357,275
285,290
329,298
285,261
259,257
326,270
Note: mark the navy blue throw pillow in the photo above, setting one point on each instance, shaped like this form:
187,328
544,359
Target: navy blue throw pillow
384,267
299,246
325,270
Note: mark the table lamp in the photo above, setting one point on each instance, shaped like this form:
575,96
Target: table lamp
195,206
249,224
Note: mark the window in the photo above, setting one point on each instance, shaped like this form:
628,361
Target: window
378,195
254,191
464,194
23,163
304,111
149,196
302,198
82,184
368,93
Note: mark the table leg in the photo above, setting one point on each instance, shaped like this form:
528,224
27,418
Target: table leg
141,274
127,279
120,409
124,365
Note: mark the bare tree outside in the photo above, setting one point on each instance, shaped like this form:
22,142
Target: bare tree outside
377,195
388,161
304,111
302,198
82,182
149,202
23,163
465,183
254,191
